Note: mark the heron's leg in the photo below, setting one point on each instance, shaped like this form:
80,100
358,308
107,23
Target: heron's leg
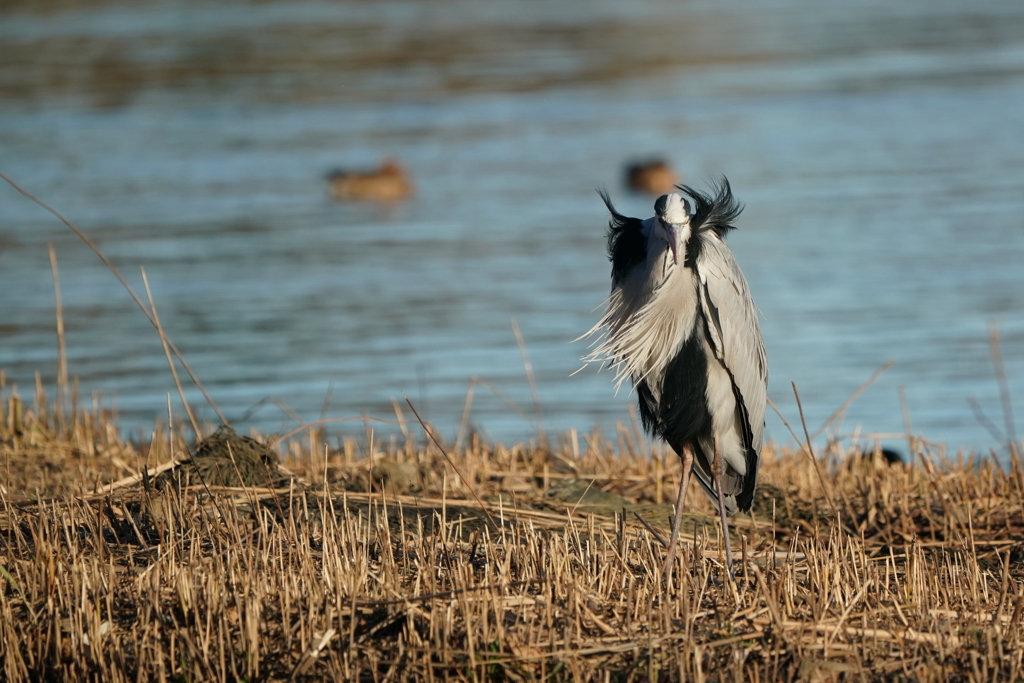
716,472
687,457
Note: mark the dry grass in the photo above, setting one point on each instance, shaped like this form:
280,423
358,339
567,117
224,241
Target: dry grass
375,563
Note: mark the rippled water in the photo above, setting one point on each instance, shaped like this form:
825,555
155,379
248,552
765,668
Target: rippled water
877,148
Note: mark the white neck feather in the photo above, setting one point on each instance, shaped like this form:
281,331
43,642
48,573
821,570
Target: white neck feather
648,316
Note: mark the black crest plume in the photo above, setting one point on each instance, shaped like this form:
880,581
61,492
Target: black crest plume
713,213
627,246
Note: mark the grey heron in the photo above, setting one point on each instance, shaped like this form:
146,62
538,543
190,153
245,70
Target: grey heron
681,326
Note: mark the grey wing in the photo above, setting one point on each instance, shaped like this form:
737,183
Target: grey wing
734,331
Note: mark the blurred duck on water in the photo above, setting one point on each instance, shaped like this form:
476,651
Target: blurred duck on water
388,183
651,176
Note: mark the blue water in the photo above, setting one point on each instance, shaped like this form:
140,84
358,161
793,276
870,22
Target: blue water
877,150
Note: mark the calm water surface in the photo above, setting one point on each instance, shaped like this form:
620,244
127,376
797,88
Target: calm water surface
878,150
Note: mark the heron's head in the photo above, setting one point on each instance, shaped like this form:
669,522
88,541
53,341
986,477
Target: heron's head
673,224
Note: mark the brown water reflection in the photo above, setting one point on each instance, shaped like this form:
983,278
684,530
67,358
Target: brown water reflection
311,63
389,50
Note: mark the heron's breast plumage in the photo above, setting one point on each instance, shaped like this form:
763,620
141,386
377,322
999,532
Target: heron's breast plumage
650,315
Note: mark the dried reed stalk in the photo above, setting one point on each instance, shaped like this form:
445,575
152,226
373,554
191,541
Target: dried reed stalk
921,577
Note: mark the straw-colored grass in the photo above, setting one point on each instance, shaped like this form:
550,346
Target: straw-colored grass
375,562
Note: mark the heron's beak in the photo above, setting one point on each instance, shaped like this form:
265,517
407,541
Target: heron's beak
672,232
